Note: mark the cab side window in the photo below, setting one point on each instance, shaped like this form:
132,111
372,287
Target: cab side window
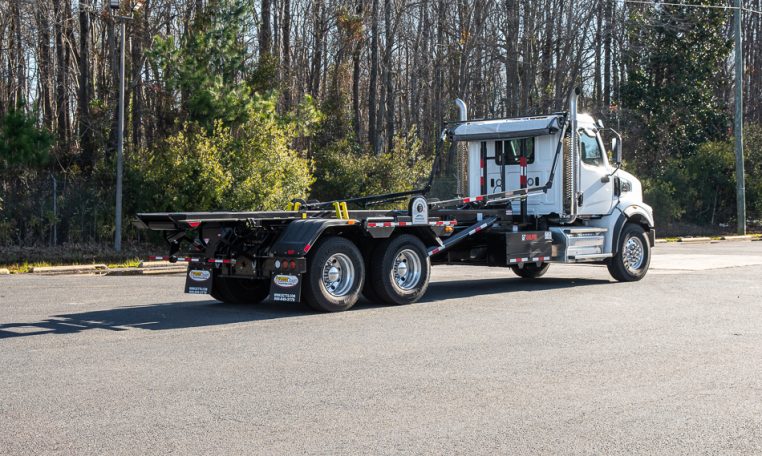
589,149
508,152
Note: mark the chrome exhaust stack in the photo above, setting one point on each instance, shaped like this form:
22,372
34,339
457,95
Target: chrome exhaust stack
462,110
571,174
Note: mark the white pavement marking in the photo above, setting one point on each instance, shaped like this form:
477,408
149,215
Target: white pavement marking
698,262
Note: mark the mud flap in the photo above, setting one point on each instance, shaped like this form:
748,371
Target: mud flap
198,280
286,288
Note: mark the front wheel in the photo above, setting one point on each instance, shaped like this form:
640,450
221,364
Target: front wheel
335,275
400,270
633,255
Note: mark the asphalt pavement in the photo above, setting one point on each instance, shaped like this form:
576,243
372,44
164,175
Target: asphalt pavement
486,363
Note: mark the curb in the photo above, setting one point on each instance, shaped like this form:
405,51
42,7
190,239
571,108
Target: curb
155,264
694,239
147,271
746,237
77,269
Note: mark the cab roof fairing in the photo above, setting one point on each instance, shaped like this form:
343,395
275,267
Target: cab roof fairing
481,130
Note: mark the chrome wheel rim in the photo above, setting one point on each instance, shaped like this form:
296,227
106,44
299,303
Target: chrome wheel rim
406,270
634,254
338,275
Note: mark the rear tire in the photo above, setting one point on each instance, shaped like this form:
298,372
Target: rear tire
335,275
232,290
400,270
633,255
530,270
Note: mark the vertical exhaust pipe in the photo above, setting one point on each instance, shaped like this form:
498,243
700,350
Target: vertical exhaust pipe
462,110
574,155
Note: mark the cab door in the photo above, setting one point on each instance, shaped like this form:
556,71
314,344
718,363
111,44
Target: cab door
595,186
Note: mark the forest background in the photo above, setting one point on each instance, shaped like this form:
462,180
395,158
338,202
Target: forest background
243,105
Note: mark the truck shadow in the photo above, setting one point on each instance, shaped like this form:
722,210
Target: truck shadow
191,314
453,289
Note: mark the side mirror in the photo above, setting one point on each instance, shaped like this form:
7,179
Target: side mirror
599,123
616,147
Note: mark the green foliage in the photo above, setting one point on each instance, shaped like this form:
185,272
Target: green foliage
661,194
672,95
343,169
249,167
701,189
22,143
208,67
708,184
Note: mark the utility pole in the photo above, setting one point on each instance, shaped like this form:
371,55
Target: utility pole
120,144
738,127
119,132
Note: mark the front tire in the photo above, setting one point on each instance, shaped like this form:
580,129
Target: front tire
633,255
400,270
335,275
530,270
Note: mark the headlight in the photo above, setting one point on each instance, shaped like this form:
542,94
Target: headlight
626,186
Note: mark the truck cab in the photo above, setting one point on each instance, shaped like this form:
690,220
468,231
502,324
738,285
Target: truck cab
581,195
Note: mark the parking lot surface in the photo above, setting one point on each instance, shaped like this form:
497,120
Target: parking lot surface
486,363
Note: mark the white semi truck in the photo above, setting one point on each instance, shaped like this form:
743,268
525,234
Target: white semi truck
536,191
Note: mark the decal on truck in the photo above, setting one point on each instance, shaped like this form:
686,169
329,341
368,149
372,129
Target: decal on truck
198,280
285,288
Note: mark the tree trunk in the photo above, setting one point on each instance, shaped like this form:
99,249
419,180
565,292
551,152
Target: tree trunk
62,98
265,32
43,27
389,75
286,57
372,85
87,157
356,74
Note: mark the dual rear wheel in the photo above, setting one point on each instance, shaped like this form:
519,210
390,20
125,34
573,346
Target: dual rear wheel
395,272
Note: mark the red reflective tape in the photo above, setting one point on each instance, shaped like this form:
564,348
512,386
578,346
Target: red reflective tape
522,180
435,251
388,224
290,252
523,162
481,180
481,163
193,223
479,198
307,248
402,223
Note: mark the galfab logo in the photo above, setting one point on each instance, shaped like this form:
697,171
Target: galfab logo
199,275
285,281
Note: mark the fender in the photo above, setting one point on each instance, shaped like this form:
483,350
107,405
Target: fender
640,214
637,214
300,235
